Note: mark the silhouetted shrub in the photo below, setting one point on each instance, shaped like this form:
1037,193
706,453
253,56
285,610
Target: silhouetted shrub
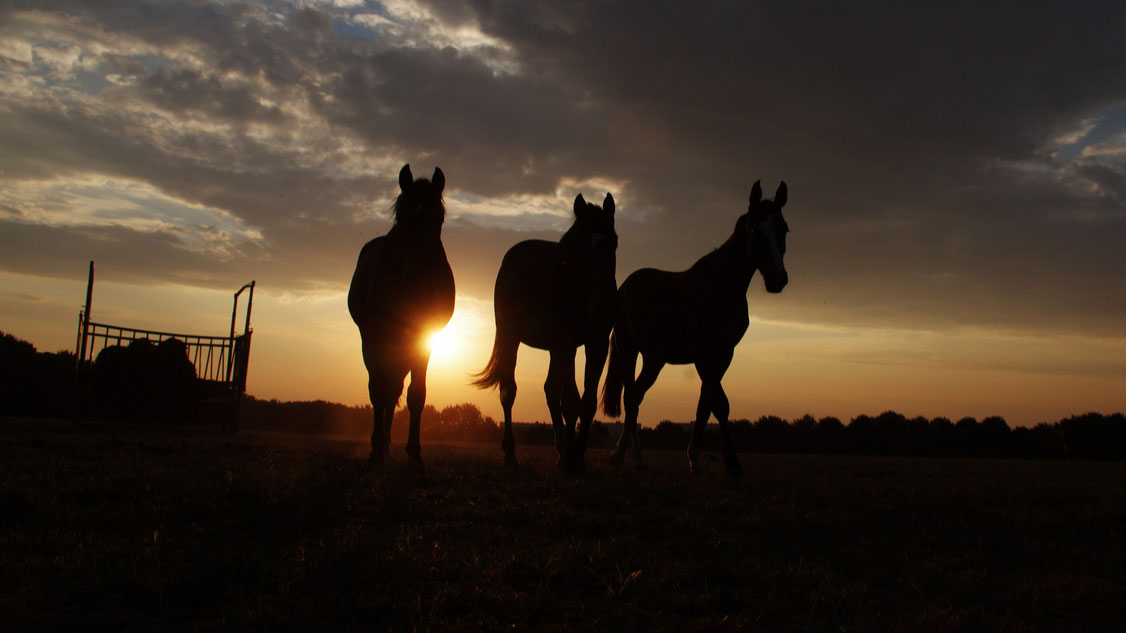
34,384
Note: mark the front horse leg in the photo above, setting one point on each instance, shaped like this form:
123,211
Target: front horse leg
696,444
555,391
571,406
592,374
384,392
711,373
379,449
721,410
416,400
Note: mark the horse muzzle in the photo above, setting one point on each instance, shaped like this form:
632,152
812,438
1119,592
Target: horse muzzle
775,283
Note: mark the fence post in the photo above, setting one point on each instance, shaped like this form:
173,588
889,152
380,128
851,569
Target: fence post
81,351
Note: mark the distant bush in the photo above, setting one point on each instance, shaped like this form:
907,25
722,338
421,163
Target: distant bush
35,384
147,381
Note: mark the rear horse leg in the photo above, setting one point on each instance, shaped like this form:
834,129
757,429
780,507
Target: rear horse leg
506,349
633,394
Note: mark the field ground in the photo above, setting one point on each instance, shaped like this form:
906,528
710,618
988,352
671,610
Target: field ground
138,529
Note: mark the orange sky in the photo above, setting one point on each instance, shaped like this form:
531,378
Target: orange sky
306,347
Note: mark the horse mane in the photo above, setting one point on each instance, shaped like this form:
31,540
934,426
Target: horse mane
724,259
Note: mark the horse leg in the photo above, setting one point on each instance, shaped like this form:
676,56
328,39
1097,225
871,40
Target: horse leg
717,399
388,417
383,391
721,410
650,369
383,394
696,444
507,386
416,400
592,373
571,405
627,356
554,390
378,448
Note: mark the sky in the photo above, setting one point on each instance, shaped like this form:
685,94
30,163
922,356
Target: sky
956,175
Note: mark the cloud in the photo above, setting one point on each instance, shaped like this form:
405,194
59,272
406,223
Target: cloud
947,166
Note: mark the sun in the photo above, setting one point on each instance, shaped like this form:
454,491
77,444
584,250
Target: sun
443,345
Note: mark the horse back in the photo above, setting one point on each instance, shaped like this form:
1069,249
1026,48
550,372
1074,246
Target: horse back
546,299
678,316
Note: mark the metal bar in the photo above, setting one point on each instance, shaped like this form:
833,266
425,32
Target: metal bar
157,333
249,306
86,315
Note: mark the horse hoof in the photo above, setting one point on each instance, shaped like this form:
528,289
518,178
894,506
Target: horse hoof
616,459
377,458
735,470
510,460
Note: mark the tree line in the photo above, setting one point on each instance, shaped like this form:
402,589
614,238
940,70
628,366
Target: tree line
145,382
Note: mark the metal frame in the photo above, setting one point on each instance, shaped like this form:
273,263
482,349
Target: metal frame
219,360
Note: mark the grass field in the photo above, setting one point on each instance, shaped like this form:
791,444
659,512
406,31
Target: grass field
136,529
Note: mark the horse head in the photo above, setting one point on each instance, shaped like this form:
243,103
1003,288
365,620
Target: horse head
593,234
765,231
419,206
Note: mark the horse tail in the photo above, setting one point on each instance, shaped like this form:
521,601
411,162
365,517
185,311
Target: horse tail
612,388
490,376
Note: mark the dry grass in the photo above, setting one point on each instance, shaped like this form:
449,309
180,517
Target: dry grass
143,530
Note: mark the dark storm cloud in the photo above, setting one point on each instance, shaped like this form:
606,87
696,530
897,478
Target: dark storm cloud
177,90
499,133
905,137
918,143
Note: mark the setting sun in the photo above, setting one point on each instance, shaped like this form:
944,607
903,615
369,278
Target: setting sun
443,344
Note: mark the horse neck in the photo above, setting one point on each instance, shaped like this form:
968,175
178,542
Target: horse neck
727,267
416,234
574,248
573,240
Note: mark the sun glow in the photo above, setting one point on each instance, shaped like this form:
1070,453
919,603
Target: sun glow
443,345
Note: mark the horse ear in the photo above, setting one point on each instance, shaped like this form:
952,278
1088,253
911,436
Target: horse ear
439,180
780,196
608,204
405,177
756,193
580,204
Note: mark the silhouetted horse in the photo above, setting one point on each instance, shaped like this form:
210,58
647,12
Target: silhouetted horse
402,290
695,316
557,296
